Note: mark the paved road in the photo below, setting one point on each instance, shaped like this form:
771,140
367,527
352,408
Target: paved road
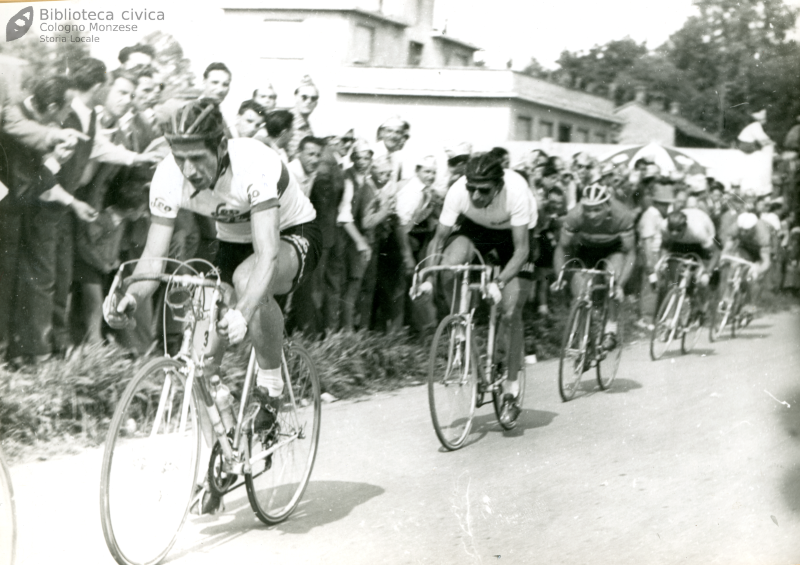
694,459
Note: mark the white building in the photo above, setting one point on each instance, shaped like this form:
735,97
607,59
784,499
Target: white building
372,59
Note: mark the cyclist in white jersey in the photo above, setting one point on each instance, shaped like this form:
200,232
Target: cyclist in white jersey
490,212
268,237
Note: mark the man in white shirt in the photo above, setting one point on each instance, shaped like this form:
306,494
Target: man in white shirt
304,166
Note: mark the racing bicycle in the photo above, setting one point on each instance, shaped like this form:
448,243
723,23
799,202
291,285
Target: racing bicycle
727,307
680,314
464,366
152,465
582,346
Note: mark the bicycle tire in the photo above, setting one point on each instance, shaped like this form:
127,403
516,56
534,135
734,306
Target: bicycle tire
720,313
276,486
497,397
692,329
666,320
8,517
574,347
736,317
149,442
606,376
452,381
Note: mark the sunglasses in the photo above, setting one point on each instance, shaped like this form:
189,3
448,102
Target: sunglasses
482,191
273,96
306,98
348,140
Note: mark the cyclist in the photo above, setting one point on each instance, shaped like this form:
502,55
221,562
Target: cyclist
268,237
598,228
749,239
491,210
690,230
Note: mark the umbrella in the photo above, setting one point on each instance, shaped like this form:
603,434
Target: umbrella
668,159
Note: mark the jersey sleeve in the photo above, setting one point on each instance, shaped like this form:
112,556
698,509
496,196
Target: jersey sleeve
166,189
453,205
264,176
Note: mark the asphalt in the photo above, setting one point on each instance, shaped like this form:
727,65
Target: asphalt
693,459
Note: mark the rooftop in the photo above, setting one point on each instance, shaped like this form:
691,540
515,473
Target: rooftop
678,122
472,83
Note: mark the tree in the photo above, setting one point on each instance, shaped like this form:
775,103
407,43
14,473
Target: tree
597,70
727,52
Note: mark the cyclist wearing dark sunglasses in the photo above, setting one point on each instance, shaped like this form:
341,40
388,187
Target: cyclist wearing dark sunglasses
491,210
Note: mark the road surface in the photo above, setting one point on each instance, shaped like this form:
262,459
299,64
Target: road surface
693,459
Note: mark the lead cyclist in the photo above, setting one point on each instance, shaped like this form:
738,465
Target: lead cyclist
268,238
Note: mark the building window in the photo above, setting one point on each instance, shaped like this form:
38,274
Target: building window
545,130
415,54
524,129
363,43
461,59
583,136
600,137
282,39
564,133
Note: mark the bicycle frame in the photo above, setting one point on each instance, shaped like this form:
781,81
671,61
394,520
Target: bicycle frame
466,289
201,320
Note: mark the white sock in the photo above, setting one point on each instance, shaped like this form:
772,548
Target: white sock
270,379
511,387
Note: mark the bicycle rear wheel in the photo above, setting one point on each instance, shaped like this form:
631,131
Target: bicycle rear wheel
150,464
452,381
693,328
608,367
665,325
276,484
574,351
8,521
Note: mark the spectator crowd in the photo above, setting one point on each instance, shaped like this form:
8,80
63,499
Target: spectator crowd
80,151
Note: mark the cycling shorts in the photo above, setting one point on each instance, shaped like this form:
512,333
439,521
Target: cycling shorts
495,246
306,240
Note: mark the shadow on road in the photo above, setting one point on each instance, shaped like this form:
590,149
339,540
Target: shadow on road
323,502
529,419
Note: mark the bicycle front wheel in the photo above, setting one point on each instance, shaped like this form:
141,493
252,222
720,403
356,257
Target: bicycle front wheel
150,464
8,521
574,351
497,398
452,381
607,369
665,325
276,483
693,327
723,306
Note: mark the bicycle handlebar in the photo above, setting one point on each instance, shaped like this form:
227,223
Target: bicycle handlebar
739,260
484,270
594,272
184,280
689,259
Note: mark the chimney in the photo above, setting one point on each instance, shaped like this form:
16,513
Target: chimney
641,95
675,108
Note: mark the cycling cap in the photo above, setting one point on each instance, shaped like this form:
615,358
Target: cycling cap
676,222
747,220
595,194
199,120
483,167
